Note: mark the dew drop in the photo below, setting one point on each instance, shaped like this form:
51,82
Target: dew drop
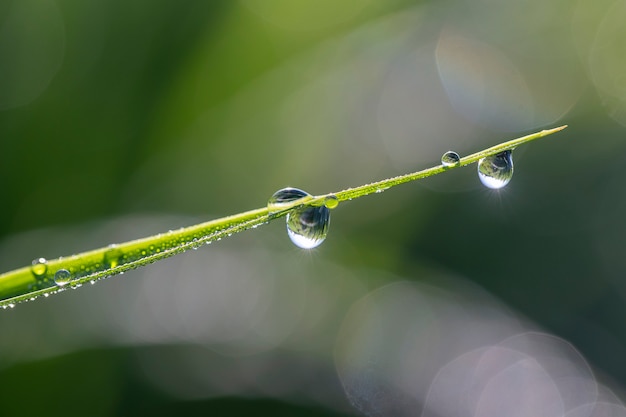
283,197
331,202
39,267
307,226
62,277
450,159
496,171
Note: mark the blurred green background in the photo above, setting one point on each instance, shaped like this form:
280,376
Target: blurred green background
120,119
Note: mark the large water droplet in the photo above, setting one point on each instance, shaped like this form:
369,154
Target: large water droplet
39,267
307,226
450,159
497,170
62,277
282,198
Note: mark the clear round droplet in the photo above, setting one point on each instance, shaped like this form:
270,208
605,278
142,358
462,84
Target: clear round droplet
283,197
62,277
307,226
331,202
39,267
450,159
496,171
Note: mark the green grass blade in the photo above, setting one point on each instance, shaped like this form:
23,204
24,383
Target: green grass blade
30,282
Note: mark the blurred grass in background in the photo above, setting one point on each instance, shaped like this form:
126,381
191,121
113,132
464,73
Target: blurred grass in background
121,119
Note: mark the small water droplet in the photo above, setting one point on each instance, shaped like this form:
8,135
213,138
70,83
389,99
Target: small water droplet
195,244
496,171
450,159
39,267
283,197
11,305
46,295
331,202
62,277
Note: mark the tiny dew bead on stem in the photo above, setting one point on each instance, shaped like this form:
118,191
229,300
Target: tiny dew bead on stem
307,223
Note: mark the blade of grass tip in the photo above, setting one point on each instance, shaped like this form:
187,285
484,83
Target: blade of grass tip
44,277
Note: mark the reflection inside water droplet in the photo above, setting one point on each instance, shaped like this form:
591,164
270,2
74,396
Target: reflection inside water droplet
450,159
331,202
307,226
62,277
39,267
496,171
283,197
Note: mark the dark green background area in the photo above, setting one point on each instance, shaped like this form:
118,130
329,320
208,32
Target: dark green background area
108,382
200,109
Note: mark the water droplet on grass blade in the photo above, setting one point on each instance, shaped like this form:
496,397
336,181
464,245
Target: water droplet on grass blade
39,267
496,171
450,159
283,197
62,277
307,226
331,202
